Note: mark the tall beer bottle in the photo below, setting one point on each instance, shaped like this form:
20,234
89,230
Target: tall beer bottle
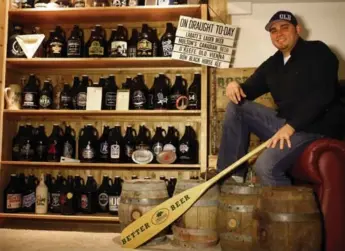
116,146
74,91
41,205
156,43
81,96
119,43
109,94
129,144
161,93
12,196
55,144
151,94
46,96
132,44
179,89
69,143
16,143
79,185
65,98
167,41
145,42
31,93
103,155
14,50
114,196
42,142
29,195
103,194
194,93
27,145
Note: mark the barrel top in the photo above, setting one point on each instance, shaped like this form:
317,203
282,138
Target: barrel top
245,189
291,189
141,184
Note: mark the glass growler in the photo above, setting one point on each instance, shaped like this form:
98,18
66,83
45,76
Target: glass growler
158,141
129,143
42,143
178,90
79,184
188,149
194,93
96,46
103,194
81,96
88,144
143,139
167,41
56,44
156,43
75,43
46,96
139,93
67,197
171,139
116,146
88,198
55,144
150,94
40,51
65,98
103,154
16,143
132,44
114,196
74,91
29,195
69,143
145,42
14,50
118,44
162,92
27,144
13,196
109,94
30,93
55,205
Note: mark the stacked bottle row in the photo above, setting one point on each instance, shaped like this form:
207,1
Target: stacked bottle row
31,144
162,95
94,3
66,196
141,44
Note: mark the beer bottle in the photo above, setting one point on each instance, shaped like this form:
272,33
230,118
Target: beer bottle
67,197
79,3
42,142
27,145
114,196
167,41
65,98
109,94
49,182
104,146
188,147
46,96
55,144
129,143
40,51
156,44
41,205
55,205
16,143
118,44
56,45
158,141
145,42
75,43
139,92
13,48
161,92
31,93
171,139
96,45
13,196
151,94
79,186
89,196
100,3
81,96
194,93
103,194
179,89
69,143
132,44
88,144
143,139
29,195
116,146
74,91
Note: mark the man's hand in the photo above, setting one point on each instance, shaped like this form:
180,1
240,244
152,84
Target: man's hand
281,136
234,92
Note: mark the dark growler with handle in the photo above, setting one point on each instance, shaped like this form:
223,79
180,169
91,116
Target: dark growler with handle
88,144
69,143
143,140
81,94
114,196
46,96
161,93
129,143
88,200
158,141
79,185
179,90
31,93
55,144
103,194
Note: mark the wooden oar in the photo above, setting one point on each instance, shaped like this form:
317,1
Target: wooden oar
158,218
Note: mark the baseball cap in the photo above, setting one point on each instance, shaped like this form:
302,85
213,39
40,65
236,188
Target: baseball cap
281,16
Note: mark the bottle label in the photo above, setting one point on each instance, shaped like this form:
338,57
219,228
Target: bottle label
163,2
53,150
114,202
132,2
40,150
161,99
157,148
192,100
84,201
129,151
132,51
26,152
56,47
16,49
184,148
81,99
139,99
14,201
45,101
67,150
29,199
73,48
96,49
144,48
103,200
169,147
41,200
119,48
119,3
65,101
55,202
79,3
88,153
16,148
167,47
29,99
173,99
110,99
104,148
115,151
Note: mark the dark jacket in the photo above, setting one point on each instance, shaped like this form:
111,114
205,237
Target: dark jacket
304,89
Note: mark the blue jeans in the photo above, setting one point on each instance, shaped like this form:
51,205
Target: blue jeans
272,164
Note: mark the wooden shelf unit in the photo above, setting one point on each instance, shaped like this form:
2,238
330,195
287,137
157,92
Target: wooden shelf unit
12,69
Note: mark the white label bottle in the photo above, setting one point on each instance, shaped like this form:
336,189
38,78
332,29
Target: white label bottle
41,197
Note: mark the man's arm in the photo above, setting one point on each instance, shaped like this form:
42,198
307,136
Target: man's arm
255,85
324,77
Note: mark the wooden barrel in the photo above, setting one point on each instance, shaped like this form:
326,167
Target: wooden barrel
288,220
197,227
235,223
139,196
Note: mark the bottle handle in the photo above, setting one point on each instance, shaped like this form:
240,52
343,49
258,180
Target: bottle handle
110,182
165,132
176,133
134,132
90,82
38,81
81,132
82,181
185,84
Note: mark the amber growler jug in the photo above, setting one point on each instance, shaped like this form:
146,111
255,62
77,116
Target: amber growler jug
145,42
88,144
129,143
55,144
118,44
30,94
46,96
178,90
116,145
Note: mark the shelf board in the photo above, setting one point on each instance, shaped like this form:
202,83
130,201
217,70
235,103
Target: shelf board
99,165
79,217
103,14
82,113
82,63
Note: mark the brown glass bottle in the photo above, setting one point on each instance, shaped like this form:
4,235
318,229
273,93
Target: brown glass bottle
167,41
96,45
118,44
13,48
145,42
132,44
56,44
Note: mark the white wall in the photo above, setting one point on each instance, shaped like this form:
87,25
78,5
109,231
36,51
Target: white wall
321,21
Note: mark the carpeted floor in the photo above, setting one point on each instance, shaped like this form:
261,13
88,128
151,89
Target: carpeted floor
38,240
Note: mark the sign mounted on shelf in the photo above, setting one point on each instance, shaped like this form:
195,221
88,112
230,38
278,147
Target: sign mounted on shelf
204,42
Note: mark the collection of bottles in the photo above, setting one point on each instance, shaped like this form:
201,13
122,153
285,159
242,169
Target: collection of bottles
160,96
94,3
67,196
141,44
32,144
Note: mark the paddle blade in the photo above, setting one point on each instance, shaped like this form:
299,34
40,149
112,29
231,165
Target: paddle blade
158,218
